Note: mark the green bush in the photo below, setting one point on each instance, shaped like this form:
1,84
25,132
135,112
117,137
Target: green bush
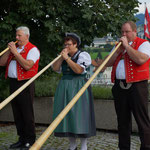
102,92
46,86
4,88
4,92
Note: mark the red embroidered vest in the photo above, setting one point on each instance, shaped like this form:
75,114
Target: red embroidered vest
133,71
21,72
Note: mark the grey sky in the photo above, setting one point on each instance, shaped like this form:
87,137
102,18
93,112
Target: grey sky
142,6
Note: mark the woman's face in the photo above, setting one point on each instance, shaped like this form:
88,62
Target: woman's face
70,46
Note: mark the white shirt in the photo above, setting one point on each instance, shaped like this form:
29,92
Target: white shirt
120,70
33,54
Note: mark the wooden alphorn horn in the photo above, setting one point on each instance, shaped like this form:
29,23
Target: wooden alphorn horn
37,145
13,95
5,50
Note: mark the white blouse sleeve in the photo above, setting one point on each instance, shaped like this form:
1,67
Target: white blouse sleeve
84,60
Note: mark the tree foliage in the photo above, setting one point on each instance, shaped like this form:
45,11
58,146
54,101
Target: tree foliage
48,21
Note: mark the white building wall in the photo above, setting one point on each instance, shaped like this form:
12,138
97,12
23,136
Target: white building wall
102,77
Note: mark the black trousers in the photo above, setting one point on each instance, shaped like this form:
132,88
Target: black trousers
22,106
133,100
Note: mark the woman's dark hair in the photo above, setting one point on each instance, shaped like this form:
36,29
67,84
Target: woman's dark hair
68,38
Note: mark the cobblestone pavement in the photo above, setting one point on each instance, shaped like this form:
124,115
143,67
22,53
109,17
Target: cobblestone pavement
102,141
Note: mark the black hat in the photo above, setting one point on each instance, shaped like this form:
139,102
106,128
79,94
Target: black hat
75,36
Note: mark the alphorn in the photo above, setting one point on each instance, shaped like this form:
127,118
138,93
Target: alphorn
41,140
5,50
13,95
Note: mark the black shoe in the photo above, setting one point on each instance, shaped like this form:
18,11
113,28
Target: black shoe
74,149
16,145
26,146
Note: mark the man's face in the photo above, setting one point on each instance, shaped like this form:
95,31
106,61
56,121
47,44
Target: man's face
21,38
127,31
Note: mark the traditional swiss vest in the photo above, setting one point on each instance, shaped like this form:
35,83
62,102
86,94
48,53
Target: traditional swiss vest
66,70
133,71
21,72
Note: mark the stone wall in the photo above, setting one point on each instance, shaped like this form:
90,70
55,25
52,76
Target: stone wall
43,108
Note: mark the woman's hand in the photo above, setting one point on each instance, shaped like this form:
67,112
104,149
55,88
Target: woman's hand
64,54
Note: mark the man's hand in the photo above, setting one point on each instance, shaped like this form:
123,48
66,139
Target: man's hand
12,47
124,41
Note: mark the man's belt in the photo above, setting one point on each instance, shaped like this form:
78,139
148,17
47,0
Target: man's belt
124,85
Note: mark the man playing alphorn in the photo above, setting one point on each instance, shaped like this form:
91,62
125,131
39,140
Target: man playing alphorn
21,63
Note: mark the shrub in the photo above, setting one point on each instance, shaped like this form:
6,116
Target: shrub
4,88
102,92
46,86
4,92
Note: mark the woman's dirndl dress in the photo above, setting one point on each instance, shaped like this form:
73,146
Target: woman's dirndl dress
80,120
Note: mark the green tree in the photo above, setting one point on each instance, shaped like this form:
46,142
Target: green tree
48,21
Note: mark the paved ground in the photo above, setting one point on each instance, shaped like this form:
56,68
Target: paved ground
102,141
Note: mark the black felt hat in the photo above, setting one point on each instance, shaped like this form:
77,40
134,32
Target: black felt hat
75,36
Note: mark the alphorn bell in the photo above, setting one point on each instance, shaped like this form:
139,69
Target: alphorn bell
5,50
13,95
37,145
